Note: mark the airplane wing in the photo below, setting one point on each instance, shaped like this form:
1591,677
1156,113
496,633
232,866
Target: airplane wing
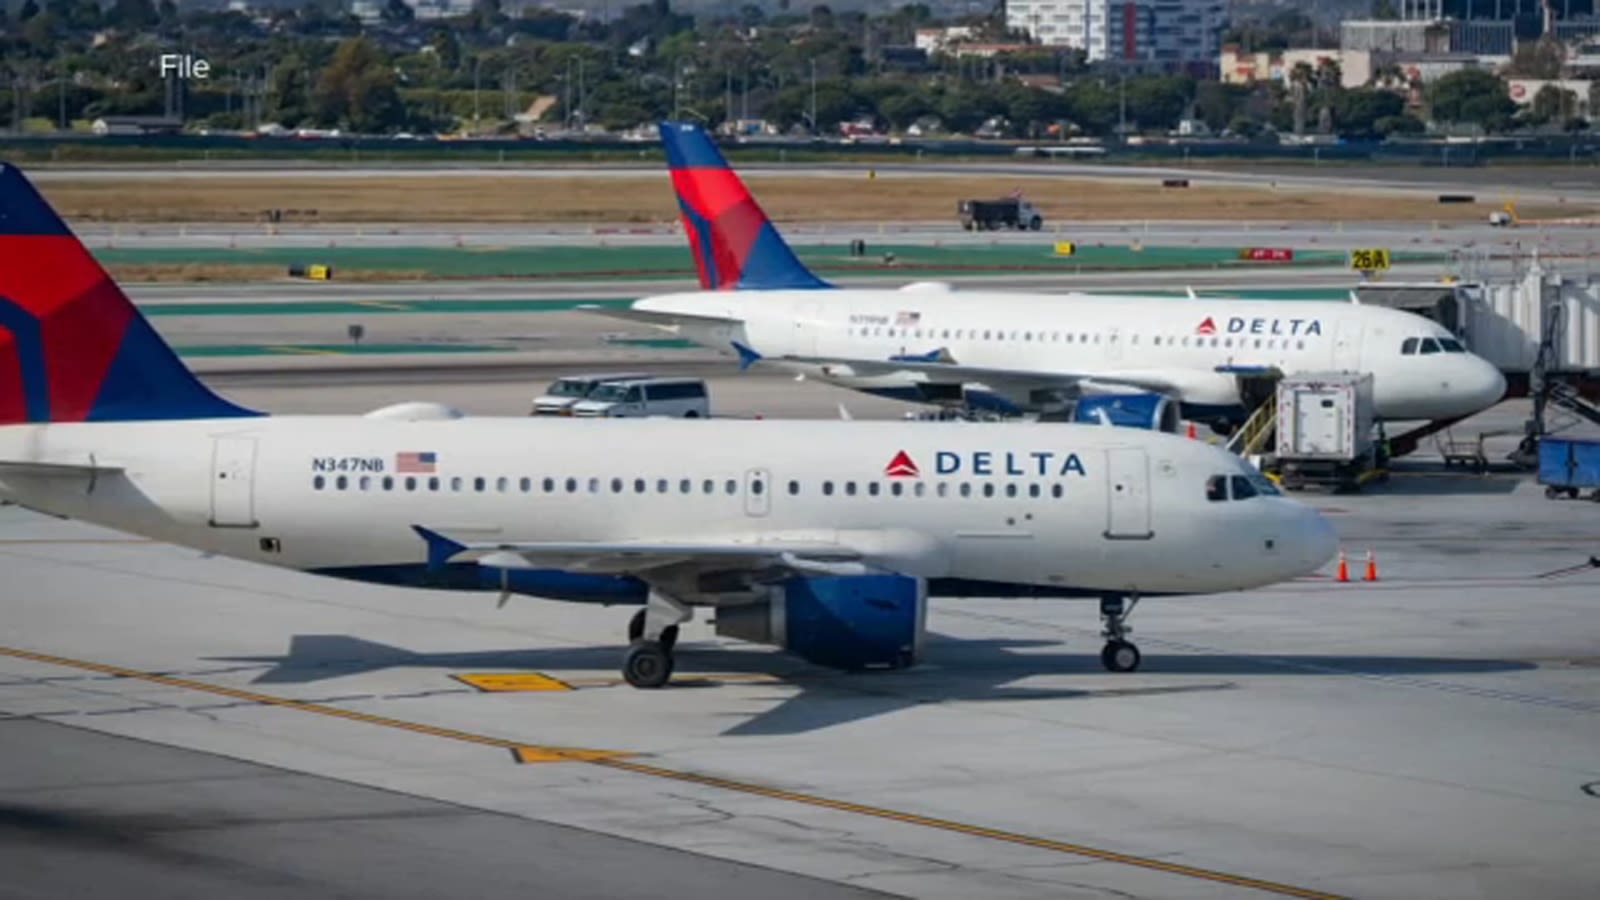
642,559
1025,379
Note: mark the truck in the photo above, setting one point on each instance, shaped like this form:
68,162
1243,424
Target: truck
1325,431
1568,465
988,215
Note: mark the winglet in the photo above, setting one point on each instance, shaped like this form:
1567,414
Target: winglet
747,356
440,548
735,245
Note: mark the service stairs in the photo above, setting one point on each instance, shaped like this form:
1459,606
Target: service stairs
1257,432
1565,396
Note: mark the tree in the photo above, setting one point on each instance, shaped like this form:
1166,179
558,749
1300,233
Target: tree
1472,97
1358,112
30,9
1550,104
1538,59
357,89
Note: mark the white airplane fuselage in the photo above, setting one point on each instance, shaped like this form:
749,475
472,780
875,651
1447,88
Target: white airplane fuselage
1196,345
1056,506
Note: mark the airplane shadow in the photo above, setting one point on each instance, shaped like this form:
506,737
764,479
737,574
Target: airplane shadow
956,670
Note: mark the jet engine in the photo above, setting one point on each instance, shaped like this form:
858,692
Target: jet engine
844,622
1156,412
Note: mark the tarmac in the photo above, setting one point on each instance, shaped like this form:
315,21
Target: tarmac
213,726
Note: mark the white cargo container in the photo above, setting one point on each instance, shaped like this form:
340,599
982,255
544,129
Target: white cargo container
1325,416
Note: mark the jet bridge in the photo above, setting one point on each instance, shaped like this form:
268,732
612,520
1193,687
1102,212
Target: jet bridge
1542,330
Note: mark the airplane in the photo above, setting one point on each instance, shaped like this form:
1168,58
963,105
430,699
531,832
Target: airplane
1149,360
824,538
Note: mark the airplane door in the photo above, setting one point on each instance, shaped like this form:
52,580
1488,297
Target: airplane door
233,467
1127,495
757,492
807,328
1347,346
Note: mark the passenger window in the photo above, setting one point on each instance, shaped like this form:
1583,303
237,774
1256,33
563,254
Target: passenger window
635,395
318,483
872,488
1056,491
1033,490
594,485
988,489
1408,347
366,482
456,483
685,486
897,488
662,486
756,486
1429,345
1011,490
827,489
549,485
918,489
943,489
639,486
850,488
1217,488
1242,488
388,483
794,488
479,485
572,485
341,482
526,485
733,486
709,487
411,484
502,484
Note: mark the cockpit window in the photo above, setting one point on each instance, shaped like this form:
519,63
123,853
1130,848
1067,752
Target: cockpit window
1409,347
1242,489
1451,345
1429,345
1217,488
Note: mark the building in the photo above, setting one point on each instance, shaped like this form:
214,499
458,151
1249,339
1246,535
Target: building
1171,34
1237,67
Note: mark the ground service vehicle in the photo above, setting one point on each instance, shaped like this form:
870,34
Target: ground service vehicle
988,215
558,399
1568,465
679,398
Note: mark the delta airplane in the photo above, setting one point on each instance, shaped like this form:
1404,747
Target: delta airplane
824,538
1017,351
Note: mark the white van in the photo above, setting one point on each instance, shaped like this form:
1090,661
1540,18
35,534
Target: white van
559,397
683,398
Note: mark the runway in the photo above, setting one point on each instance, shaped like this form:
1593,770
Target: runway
1429,734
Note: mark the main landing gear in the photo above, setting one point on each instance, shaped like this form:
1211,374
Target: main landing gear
1119,654
652,633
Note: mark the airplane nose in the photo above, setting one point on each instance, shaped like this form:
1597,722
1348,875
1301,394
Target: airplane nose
1490,383
1317,541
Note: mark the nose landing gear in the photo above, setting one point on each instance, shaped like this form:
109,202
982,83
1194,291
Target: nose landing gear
1119,654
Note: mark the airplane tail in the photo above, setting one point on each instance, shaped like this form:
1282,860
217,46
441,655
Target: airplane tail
72,346
735,245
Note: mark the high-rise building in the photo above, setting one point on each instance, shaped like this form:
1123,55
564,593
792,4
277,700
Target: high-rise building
1173,34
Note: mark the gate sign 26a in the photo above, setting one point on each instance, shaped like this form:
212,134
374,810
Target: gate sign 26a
1369,260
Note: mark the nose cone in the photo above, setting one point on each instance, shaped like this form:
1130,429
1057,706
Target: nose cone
1316,542
1485,384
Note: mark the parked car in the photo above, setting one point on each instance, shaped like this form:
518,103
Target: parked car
559,397
684,398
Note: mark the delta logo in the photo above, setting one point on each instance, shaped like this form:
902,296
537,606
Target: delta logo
1263,326
902,466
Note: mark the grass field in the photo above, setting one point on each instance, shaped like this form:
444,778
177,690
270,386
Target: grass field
623,263
626,198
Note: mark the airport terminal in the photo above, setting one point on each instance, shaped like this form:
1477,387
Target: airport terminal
737,554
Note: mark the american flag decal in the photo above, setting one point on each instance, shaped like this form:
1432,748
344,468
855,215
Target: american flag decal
415,463
907,318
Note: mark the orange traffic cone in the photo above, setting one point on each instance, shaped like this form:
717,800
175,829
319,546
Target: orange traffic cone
1344,568
1193,435
1372,567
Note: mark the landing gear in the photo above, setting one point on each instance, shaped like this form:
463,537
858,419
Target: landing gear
647,665
669,634
1120,654
652,633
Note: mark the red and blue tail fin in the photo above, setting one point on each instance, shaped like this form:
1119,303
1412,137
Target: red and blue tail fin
735,245
72,346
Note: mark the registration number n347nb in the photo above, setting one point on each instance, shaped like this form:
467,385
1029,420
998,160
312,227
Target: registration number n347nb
346,464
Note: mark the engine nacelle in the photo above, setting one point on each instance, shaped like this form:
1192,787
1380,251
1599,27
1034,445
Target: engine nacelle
847,622
1156,412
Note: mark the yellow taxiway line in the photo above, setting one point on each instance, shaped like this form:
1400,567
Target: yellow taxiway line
617,760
